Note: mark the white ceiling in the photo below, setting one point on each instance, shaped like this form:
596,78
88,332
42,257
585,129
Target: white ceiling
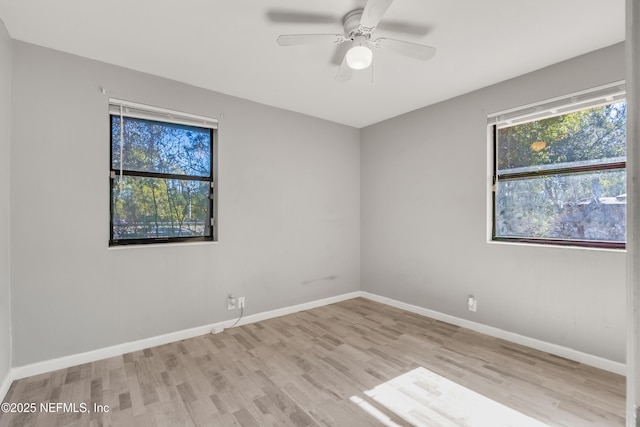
230,46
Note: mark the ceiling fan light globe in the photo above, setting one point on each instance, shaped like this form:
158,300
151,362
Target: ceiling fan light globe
359,57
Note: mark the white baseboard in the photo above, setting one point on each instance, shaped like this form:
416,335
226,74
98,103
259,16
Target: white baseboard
119,349
558,350
5,384
296,308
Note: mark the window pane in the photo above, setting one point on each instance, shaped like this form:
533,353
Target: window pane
150,146
592,136
587,206
159,208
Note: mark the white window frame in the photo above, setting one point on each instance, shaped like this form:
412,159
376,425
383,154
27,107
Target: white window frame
577,101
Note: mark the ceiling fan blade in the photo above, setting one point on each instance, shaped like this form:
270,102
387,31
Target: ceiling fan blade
284,16
413,50
297,39
344,73
374,10
339,53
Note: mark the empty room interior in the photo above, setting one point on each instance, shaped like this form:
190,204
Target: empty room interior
337,213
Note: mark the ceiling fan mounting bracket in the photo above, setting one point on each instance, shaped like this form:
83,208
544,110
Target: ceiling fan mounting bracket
352,25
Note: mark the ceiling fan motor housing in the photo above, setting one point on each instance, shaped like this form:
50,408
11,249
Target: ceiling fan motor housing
352,25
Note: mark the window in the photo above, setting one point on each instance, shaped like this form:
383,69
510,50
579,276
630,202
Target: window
559,171
162,175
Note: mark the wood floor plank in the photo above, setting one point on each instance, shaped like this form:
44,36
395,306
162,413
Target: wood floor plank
354,363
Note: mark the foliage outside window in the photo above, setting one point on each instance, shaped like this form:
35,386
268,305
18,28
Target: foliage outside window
161,181
561,179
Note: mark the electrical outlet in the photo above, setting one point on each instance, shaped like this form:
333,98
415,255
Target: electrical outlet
472,303
241,302
231,302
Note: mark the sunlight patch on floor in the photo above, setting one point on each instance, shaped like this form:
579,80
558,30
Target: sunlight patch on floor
424,398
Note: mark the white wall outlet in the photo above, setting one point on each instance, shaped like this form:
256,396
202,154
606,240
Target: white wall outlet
231,302
240,302
472,303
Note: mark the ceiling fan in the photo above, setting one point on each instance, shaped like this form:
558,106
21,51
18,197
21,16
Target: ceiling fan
359,25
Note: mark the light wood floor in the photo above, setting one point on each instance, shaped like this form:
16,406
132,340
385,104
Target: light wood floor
355,363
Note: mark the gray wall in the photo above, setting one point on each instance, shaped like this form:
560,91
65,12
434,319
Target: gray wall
5,284
424,216
288,212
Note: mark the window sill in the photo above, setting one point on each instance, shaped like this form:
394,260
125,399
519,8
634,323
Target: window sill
554,246
161,245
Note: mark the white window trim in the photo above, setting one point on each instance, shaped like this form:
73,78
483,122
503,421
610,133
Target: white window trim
589,98
148,112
